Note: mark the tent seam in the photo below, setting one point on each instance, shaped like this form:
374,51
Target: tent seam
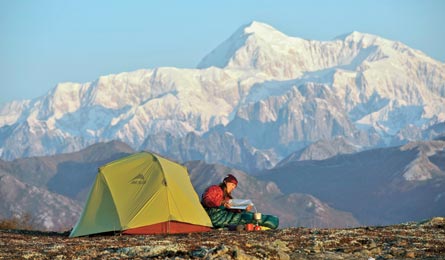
112,198
166,186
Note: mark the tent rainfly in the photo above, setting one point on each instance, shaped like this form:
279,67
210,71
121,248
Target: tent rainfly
143,193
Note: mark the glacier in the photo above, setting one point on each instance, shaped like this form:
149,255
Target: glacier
260,95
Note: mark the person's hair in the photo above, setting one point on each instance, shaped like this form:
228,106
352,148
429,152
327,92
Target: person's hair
231,178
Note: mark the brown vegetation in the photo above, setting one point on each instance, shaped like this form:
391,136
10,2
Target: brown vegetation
25,222
425,240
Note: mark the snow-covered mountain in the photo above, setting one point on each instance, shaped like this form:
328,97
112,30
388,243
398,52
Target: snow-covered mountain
261,95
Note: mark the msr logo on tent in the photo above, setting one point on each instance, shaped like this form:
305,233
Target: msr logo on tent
139,179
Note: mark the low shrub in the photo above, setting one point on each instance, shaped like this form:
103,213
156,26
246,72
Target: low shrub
25,223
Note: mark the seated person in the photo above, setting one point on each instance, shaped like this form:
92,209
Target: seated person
215,200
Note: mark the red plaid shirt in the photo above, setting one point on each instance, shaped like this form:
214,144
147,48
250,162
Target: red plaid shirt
213,197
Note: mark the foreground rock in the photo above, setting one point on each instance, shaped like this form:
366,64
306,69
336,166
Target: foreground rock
425,240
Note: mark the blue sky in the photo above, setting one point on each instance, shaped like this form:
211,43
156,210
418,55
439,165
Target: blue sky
46,42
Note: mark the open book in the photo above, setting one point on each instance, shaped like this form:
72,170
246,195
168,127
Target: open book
240,203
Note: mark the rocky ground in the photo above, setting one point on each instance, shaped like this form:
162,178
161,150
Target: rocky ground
424,240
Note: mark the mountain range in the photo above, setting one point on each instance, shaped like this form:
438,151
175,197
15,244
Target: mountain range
254,100
378,187
373,187
53,189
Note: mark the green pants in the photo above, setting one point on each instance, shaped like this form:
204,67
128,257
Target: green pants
221,217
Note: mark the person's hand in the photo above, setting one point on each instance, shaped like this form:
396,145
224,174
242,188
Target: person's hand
249,208
227,205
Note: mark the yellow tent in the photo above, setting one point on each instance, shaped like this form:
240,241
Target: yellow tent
142,194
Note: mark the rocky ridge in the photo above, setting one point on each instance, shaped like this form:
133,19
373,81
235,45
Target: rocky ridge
424,240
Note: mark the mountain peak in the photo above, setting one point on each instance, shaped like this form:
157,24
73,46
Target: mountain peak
262,30
356,36
258,27
254,32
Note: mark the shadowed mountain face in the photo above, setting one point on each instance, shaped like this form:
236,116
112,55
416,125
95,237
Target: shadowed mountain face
46,210
320,150
293,209
64,182
52,189
39,170
378,187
